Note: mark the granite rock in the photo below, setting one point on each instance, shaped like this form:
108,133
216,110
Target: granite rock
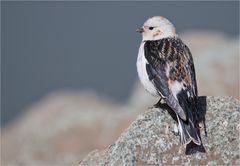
151,138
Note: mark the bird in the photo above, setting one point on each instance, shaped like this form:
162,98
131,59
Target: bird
166,70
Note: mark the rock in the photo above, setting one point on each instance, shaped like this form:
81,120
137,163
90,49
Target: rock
62,127
150,139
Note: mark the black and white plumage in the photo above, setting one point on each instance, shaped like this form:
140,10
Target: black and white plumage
166,70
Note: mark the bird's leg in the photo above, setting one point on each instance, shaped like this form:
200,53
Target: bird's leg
158,103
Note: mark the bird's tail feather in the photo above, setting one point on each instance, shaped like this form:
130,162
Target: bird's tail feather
188,132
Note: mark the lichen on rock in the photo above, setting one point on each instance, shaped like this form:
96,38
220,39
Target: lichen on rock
151,139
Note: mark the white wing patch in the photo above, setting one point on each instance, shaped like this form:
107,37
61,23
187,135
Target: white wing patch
176,87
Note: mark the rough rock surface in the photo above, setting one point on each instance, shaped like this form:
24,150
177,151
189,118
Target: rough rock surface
151,139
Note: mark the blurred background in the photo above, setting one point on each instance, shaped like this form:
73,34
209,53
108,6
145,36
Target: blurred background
68,70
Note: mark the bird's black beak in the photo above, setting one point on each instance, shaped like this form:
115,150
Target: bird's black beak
140,30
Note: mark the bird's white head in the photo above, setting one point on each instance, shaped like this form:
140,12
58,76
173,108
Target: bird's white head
156,28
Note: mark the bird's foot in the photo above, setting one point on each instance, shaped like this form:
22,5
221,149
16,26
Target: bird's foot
158,104
152,107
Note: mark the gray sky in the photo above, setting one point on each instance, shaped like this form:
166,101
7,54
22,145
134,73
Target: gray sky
48,46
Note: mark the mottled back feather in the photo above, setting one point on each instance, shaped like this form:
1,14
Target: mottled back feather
170,60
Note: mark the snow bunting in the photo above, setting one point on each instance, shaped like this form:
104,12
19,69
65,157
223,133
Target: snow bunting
166,70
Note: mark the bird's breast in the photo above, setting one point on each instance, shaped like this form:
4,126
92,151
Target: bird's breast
142,72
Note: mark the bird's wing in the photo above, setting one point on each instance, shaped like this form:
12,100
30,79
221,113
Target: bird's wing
170,68
190,67
156,66
187,96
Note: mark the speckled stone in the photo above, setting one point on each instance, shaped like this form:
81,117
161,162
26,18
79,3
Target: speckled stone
151,139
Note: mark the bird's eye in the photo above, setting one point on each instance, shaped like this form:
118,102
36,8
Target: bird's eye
150,28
